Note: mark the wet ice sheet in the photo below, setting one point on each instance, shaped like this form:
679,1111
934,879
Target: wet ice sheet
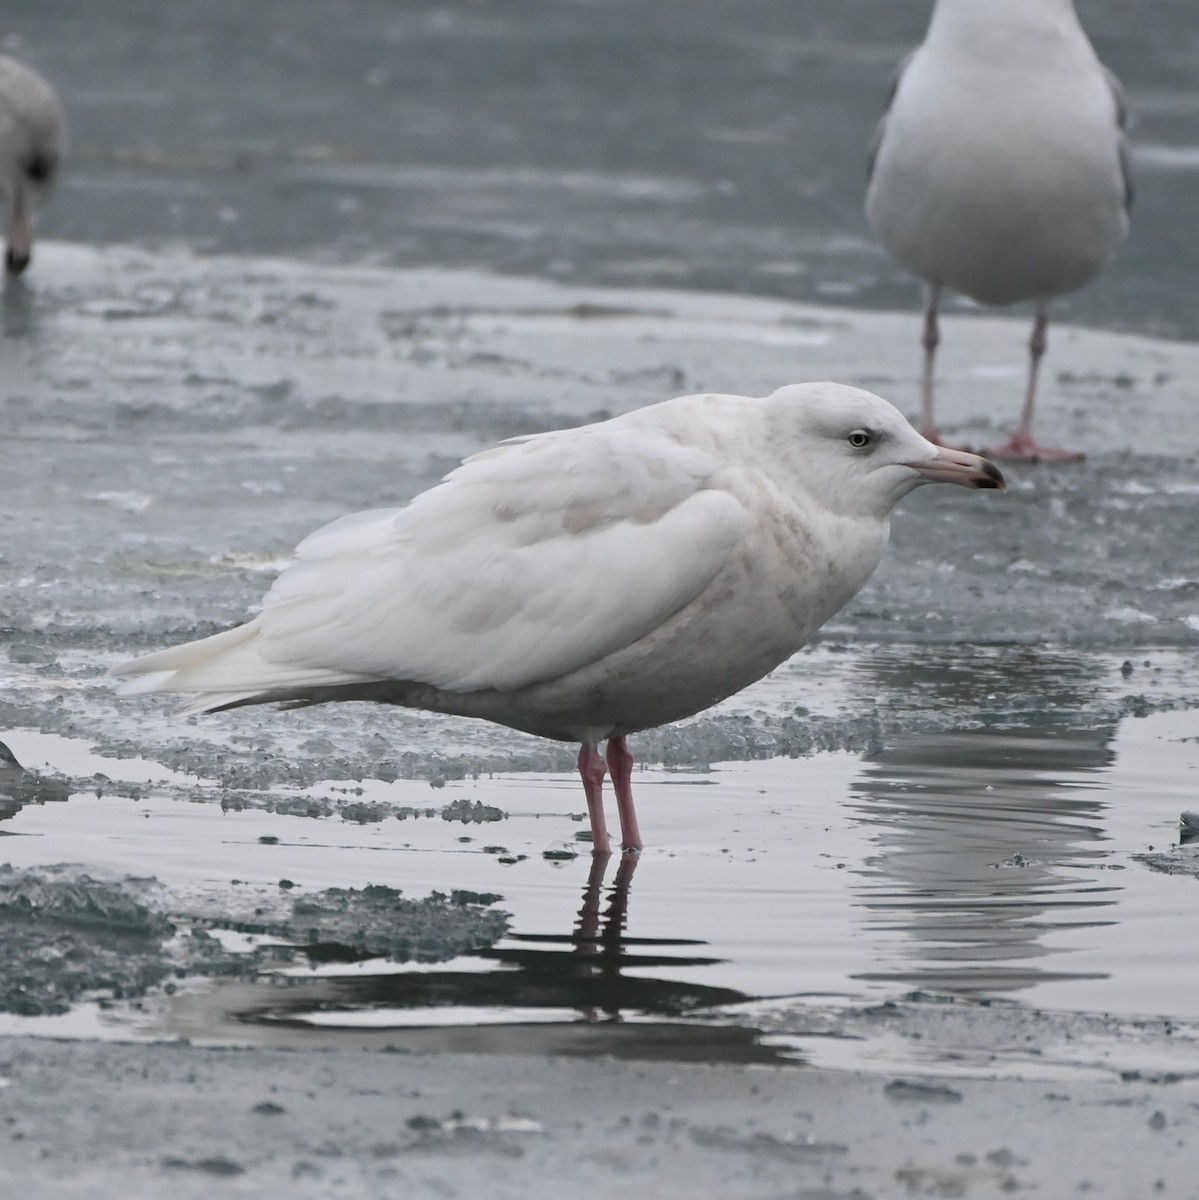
174,425
978,864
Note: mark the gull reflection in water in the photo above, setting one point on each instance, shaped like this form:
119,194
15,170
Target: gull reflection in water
593,969
984,842
594,989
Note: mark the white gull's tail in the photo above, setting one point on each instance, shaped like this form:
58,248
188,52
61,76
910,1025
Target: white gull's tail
222,670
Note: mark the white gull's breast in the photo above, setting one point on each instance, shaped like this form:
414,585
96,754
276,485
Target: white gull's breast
1001,176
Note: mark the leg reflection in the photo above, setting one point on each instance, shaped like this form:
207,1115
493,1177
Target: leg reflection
599,938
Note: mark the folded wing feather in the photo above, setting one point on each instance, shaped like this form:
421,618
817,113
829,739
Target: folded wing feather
528,562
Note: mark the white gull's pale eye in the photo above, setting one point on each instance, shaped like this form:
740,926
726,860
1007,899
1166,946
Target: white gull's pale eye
860,439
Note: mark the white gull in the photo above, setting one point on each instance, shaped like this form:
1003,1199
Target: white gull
32,142
1001,169
587,583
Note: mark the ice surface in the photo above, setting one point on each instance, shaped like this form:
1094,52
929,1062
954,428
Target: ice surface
175,424
65,935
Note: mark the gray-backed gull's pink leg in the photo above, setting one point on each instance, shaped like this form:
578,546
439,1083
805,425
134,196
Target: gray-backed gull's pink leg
930,340
19,240
620,763
591,769
1023,445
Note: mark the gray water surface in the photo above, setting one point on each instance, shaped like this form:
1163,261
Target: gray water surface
691,143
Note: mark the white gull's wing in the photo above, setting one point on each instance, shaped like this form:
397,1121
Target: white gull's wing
530,561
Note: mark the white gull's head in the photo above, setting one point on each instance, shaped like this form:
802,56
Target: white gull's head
857,455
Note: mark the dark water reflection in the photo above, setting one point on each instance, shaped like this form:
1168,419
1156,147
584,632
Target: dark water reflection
573,992
594,969
984,842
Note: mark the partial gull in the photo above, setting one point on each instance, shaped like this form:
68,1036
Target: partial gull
1001,170
32,140
587,583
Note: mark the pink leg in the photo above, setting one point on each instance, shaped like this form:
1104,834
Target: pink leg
930,340
1023,446
620,763
591,768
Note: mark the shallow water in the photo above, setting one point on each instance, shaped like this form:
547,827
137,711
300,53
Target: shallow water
941,798
973,863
